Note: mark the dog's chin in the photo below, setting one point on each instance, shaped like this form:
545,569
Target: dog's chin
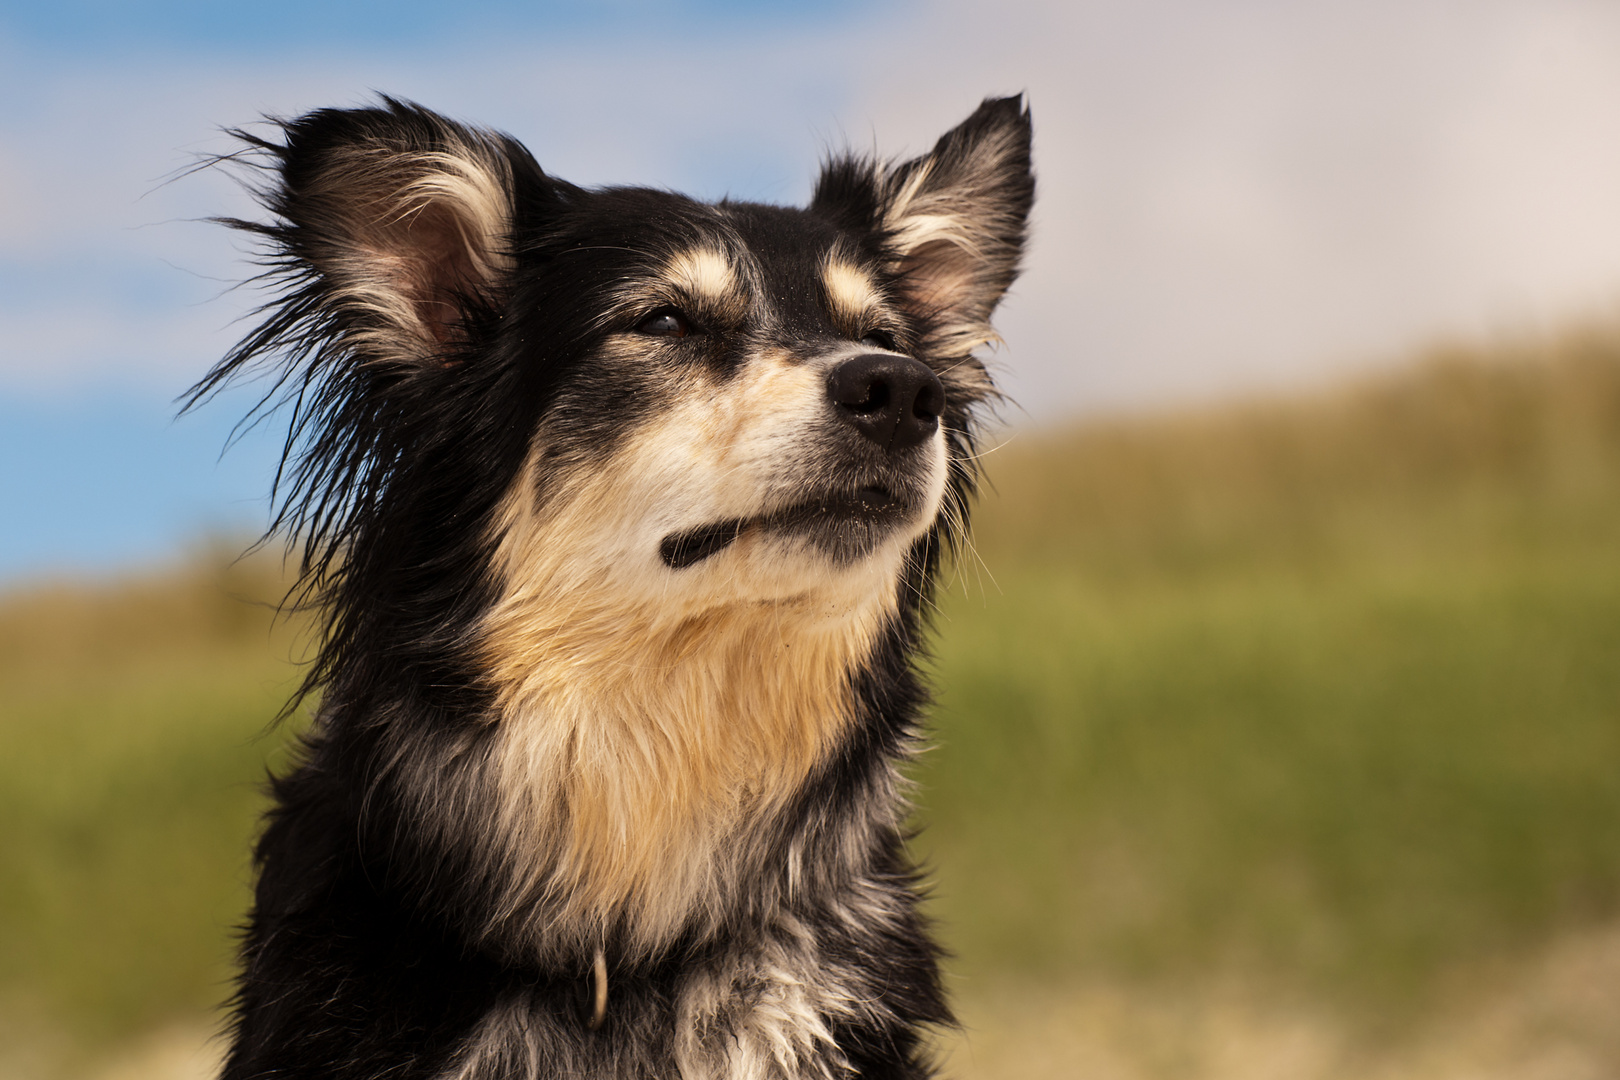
844,527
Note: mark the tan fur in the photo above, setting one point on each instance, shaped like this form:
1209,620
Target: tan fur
706,275
705,283
948,245
854,299
424,230
710,284
647,714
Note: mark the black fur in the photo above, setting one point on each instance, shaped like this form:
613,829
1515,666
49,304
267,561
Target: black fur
382,944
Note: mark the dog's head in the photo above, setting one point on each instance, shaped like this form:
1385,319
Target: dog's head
624,393
613,498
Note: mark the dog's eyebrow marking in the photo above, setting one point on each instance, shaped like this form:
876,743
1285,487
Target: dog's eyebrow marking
852,295
706,275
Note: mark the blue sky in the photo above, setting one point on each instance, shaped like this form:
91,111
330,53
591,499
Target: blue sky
1234,196
118,25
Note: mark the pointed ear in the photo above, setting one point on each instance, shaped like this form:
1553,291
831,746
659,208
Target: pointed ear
953,221
396,222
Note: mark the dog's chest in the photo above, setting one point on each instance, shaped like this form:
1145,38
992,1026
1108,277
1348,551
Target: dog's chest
769,1014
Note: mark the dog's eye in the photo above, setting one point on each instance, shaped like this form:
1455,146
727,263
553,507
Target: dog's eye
878,339
666,322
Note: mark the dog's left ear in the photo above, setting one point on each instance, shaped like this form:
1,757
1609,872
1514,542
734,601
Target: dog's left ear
952,222
394,223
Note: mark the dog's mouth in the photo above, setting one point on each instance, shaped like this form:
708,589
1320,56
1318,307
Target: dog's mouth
838,519
680,550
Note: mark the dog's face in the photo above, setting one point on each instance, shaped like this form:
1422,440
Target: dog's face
751,424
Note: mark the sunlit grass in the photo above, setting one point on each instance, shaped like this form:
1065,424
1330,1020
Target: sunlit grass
1356,781
1326,689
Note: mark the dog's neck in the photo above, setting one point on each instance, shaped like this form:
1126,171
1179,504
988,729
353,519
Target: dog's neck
642,758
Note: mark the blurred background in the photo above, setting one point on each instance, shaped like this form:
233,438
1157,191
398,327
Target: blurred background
1278,725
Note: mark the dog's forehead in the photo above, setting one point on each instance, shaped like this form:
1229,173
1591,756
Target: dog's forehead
799,260
769,266
789,261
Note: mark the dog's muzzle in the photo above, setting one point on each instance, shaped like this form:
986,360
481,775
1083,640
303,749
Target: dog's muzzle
892,405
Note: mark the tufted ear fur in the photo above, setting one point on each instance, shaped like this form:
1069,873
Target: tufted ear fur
953,221
395,222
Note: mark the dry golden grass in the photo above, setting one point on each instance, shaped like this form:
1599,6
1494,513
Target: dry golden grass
1550,1016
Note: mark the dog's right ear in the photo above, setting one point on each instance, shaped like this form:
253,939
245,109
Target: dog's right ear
952,222
395,223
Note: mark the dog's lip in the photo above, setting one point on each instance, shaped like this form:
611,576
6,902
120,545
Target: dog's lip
683,549
691,546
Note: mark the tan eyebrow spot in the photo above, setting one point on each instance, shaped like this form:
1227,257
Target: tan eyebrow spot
705,275
851,293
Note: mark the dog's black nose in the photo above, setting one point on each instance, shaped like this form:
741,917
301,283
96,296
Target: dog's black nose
893,400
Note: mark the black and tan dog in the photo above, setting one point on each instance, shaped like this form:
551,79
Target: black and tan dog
623,511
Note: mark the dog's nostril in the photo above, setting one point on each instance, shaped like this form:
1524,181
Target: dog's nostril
877,397
894,401
930,401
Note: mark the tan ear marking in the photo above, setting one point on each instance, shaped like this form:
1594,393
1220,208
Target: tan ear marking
955,221
417,234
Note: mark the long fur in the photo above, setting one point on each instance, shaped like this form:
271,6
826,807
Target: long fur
621,607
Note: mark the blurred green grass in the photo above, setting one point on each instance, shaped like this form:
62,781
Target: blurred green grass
133,743
1326,690
1322,688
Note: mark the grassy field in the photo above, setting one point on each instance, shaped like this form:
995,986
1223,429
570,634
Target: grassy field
133,740
1319,698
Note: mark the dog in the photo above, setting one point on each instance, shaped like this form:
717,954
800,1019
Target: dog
622,512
